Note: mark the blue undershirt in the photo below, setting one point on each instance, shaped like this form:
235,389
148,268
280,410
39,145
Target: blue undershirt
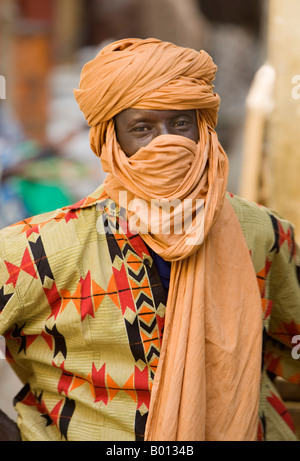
163,267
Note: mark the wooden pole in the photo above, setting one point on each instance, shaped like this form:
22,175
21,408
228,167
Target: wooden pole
259,105
283,136
68,26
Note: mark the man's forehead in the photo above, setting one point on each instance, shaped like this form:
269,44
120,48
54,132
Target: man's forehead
131,114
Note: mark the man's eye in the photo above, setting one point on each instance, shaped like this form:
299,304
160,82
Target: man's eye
180,123
141,128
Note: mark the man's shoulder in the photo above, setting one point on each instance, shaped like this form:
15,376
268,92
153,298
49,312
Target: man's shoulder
55,222
255,213
248,211
261,225
28,225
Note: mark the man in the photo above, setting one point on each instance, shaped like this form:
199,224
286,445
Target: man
141,312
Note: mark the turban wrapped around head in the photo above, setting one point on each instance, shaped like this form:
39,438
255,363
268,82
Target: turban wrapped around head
145,74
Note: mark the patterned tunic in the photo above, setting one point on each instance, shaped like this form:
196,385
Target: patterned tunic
82,309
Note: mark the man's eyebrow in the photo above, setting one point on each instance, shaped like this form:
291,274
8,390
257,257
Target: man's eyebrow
182,115
139,120
145,118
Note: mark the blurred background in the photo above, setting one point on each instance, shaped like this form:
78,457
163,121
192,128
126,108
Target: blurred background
45,158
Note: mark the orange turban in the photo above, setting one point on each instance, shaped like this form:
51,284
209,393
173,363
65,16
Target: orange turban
206,386
145,74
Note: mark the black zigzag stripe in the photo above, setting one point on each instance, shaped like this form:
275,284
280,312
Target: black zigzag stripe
276,233
17,333
65,416
22,394
148,328
4,299
138,277
113,247
59,341
298,273
40,259
152,351
143,298
276,245
140,424
157,289
293,246
127,248
48,419
135,341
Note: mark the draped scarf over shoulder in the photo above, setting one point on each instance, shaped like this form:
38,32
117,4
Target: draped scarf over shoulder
206,386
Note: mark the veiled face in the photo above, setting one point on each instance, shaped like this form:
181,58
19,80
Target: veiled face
136,128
